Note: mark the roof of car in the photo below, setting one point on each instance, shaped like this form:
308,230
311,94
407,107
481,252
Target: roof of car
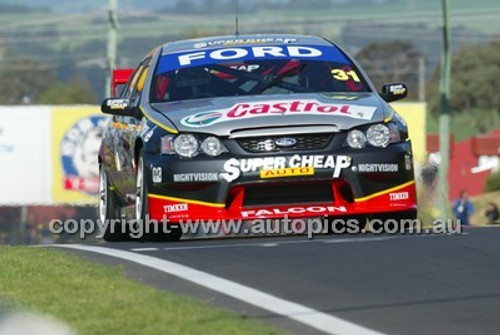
241,40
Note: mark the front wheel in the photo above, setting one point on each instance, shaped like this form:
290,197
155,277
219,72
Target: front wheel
141,199
109,213
142,209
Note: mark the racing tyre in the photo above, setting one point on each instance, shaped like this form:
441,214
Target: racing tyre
108,211
150,234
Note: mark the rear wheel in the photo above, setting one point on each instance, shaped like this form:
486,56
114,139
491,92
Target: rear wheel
109,213
150,233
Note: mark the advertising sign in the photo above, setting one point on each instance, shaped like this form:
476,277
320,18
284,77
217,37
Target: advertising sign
76,137
25,166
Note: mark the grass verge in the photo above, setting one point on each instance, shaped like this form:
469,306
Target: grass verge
95,299
480,204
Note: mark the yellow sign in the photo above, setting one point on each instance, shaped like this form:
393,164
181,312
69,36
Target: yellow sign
76,138
414,115
287,172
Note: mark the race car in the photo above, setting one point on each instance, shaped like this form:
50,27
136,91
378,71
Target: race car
253,127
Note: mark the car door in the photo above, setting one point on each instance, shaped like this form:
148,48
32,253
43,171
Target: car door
128,131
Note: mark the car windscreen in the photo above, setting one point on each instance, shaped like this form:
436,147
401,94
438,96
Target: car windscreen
254,70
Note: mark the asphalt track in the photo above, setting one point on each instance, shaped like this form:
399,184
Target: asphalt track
398,284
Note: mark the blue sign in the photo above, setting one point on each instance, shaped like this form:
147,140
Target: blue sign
181,60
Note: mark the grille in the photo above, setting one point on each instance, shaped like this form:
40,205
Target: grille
268,144
257,195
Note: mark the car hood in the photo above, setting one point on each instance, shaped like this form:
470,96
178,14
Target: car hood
225,115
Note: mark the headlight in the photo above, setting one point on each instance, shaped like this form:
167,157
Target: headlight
212,146
378,135
356,139
186,145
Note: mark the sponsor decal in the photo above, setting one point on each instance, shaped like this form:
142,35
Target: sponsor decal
248,68
399,196
408,162
201,119
228,54
397,89
378,168
79,150
243,111
235,167
117,104
319,210
343,75
287,172
245,67
156,174
242,41
175,208
195,177
205,57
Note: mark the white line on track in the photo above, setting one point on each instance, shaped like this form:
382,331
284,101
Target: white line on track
216,246
278,243
303,314
144,249
357,240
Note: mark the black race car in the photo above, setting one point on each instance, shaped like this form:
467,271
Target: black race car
257,126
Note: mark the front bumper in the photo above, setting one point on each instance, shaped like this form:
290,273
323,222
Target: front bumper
371,181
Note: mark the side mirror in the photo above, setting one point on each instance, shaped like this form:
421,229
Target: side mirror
394,91
117,106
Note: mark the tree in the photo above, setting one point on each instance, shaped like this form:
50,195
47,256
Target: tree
395,61
24,80
475,80
474,86
78,91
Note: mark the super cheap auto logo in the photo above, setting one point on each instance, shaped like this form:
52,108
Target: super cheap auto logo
234,168
79,149
243,111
